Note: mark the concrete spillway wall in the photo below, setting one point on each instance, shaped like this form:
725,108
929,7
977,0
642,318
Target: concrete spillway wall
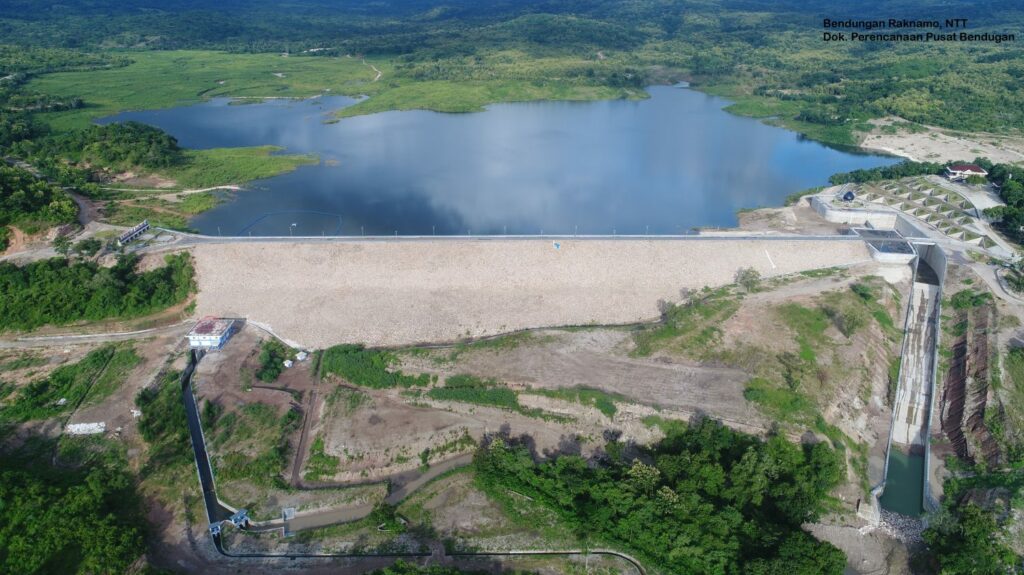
930,268
936,259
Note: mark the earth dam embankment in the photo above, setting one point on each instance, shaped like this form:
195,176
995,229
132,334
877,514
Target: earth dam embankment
389,293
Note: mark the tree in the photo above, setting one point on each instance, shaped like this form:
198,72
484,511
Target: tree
962,540
749,278
67,521
62,245
705,499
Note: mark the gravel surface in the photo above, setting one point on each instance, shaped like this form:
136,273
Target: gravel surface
404,292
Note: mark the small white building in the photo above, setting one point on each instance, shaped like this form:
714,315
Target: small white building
963,171
288,363
211,333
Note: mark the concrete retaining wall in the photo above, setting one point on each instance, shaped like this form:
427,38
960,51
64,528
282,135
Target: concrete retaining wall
852,216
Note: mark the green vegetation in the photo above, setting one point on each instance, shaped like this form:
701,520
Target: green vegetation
1011,189
30,203
22,362
903,169
710,500
118,146
367,368
210,414
1012,391
349,400
968,298
68,520
385,518
767,57
783,404
601,400
794,198
809,325
691,327
320,465
57,291
87,247
487,392
748,278
473,95
272,356
972,531
960,539
162,79
61,391
251,444
121,363
470,389
164,425
223,166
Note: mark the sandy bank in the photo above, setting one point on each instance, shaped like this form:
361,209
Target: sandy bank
937,145
391,293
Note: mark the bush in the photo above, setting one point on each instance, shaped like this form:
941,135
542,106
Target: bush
88,247
968,298
272,356
749,278
367,368
469,389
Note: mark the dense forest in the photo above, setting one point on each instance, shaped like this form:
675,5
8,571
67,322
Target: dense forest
705,499
31,204
58,291
67,520
119,146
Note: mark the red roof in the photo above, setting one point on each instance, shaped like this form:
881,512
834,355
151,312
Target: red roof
210,326
966,168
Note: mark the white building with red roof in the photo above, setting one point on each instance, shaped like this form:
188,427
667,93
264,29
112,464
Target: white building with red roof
211,333
964,171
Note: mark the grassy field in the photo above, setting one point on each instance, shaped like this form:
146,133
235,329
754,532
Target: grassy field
172,78
251,444
222,166
59,392
203,169
121,364
472,96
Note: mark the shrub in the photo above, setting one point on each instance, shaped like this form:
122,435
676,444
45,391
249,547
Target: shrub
367,368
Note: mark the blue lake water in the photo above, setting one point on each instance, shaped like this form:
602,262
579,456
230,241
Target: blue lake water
664,165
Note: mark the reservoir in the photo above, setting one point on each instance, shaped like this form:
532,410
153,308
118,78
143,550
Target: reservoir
664,165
